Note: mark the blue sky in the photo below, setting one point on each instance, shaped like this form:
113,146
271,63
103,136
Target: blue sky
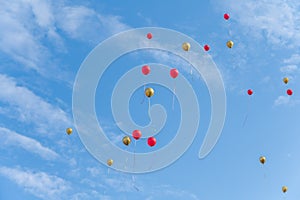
42,45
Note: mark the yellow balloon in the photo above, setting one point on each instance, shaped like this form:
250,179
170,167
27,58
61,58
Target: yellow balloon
110,162
149,92
126,140
229,44
262,160
285,80
69,131
284,189
186,46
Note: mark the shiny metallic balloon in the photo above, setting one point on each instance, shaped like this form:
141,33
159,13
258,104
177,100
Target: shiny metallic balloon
284,189
285,80
149,92
262,160
229,44
186,46
126,140
110,162
69,131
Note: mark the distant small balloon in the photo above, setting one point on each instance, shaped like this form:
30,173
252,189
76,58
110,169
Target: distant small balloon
110,162
226,16
229,44
206,47
285,80
284,189
145,69
289,92
136,134
151,141
262,160
149,92
186,46
250,92
174,73
69,131
126,140
149,36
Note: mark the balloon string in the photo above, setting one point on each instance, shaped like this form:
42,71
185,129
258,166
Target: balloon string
148,105
174,92
247,112
134,154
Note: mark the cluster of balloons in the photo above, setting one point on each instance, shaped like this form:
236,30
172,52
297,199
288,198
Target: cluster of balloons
262,160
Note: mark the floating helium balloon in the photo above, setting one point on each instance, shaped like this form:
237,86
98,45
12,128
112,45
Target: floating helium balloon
110,162
136,134
69,131
206,47
262,160
186,46
145,69
250,92
284,189
285,80
174,73
229,44
151,141
149,36
126,140
149,92
289,92
226,16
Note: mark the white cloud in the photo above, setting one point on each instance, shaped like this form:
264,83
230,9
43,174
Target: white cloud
40,184
294,59
169,192
274,19
289,69
25,26
286,100
32,109
11,138
86,24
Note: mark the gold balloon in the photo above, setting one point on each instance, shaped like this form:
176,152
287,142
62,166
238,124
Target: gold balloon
110,162
149,92
126,140
186,46
262,159
69,131
229,44
284,189
285,80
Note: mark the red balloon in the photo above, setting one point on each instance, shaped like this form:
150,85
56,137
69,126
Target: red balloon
151,141
136,134
174,73
250,92
289,92
149,36
226,16
206,47
145,69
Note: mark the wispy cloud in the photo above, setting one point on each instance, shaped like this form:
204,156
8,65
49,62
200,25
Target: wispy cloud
275,20
11,138
289,69
40,184
29,108
286,100
26,25
169,192
86,24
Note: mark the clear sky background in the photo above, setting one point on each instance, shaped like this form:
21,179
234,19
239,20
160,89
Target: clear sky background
42,45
